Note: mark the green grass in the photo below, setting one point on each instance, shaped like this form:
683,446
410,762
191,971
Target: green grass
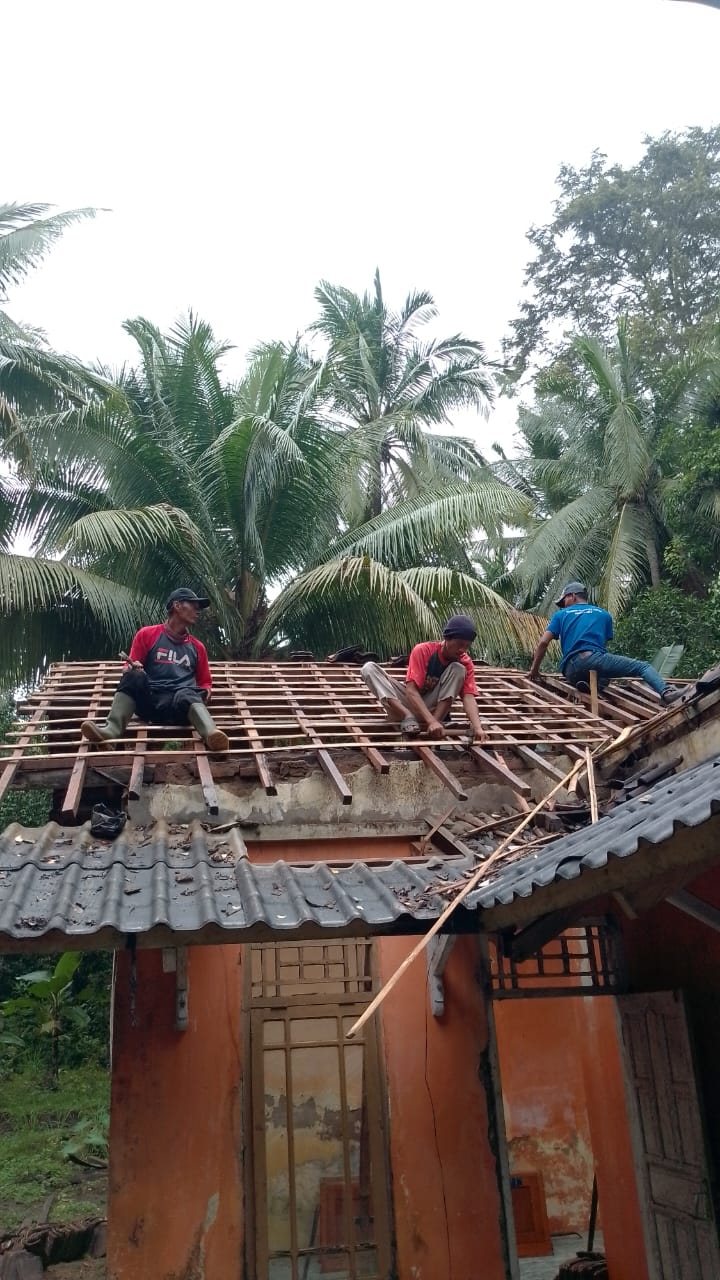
34,1123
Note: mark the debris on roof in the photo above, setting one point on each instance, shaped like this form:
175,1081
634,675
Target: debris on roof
189,881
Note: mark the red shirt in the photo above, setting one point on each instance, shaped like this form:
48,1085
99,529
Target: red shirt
426,667
171,661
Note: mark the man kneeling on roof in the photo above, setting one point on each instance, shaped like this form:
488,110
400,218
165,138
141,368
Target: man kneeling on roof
583,630
167,679
438,672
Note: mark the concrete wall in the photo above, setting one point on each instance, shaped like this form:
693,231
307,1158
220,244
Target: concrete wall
176,1175
545,1105
175,1193
598,1047
445,1191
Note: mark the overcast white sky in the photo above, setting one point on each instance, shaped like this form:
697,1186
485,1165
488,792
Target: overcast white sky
246,150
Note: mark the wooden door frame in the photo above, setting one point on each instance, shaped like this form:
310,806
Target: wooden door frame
653,1259
254,1014
496,1118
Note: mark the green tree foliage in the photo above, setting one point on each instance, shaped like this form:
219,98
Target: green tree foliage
604,489
46,605
246,492
642,241
667,615
32,377
30,808
386,390
57,1017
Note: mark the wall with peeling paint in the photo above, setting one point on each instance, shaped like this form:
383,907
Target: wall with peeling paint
175,1193
445,1191
598,1046
545,1105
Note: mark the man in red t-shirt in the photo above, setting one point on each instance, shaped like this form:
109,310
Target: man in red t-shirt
438,672
167,679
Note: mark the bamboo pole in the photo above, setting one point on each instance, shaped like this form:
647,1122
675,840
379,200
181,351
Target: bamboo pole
466,889
591,785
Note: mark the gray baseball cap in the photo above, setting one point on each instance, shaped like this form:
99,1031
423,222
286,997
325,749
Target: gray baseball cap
571,589
185,594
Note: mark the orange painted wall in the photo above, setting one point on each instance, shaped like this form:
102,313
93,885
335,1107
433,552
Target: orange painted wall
446,1198
176,1191
545,1106
599,1049
175,1196
667,950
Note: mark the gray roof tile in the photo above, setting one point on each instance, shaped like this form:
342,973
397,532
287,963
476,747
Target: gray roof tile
64,880
188,879
686,800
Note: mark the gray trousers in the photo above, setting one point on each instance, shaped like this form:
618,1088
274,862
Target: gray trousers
383,686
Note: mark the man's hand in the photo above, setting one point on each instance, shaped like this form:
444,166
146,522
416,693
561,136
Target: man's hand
435,728
137,666
206,695
535,677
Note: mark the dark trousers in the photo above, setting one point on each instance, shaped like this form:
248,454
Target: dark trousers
159,707
610,665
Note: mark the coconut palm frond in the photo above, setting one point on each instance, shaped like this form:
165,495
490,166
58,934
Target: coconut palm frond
626,564
407,532
27,233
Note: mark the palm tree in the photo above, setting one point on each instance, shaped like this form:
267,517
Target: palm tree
176,477
387,388
47,607
602,497
32,377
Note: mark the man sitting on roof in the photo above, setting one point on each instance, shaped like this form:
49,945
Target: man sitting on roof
167,679
583,631
438,671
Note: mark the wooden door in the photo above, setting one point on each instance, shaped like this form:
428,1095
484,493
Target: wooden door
667,1130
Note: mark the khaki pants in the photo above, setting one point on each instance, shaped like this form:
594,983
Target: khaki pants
383,686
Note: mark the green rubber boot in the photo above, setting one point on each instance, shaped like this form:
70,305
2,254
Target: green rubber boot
121,713
215,740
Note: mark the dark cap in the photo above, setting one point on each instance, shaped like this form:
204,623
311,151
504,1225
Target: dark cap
571,589
460,628
185,594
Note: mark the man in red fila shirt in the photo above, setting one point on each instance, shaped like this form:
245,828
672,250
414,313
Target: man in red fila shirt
167,679
438,672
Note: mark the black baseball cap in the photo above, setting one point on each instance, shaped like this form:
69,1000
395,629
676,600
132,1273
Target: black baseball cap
185,594
571,589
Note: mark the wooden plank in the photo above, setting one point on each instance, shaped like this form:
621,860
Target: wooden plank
207,781
261,760
535,760
500,770
325,761
441,771
594,692
695,907
24,741
71,803
137,773
376,759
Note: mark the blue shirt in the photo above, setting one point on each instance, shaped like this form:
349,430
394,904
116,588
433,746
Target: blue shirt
580,627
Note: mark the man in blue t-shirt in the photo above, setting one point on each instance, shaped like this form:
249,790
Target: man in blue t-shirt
583,631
